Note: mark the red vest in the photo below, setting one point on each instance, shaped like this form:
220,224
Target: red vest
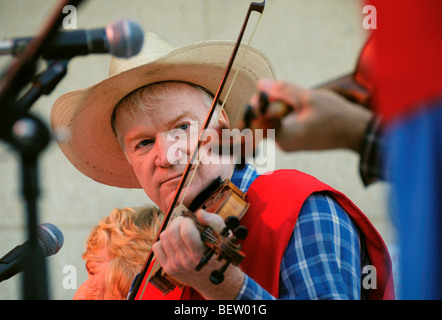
275,201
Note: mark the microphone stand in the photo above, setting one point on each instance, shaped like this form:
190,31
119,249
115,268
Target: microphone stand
29,135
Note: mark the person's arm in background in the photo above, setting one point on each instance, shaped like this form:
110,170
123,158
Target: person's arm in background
320,119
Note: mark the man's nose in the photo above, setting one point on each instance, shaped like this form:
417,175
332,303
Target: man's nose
170,150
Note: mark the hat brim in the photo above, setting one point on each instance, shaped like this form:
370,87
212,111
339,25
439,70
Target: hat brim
86,114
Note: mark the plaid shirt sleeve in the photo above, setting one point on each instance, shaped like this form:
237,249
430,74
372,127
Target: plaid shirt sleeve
322,259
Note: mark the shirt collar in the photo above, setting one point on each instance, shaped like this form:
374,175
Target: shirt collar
244,177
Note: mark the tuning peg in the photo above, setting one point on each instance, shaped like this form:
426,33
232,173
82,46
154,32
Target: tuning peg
241,232
263,103
217,276
207,256
232,222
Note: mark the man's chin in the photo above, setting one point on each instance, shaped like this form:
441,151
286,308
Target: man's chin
189,194
188,198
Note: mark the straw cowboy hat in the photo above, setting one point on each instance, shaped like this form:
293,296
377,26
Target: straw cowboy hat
86,114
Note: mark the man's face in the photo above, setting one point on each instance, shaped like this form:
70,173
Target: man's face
159,141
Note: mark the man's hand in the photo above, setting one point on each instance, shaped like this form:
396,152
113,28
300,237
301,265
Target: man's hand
180,249
316,120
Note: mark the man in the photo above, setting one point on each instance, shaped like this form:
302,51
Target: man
306,240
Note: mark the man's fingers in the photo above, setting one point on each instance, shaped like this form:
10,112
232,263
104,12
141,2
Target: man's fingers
212,220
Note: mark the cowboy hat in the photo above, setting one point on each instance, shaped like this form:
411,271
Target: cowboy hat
86,114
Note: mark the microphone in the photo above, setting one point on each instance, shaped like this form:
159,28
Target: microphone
49,239
122,38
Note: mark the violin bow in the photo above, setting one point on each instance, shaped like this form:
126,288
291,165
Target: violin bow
143,278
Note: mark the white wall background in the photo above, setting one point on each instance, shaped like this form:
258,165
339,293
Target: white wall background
309,41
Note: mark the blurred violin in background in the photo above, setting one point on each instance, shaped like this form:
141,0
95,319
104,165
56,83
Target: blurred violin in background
355,87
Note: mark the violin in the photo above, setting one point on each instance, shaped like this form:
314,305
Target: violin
225,199
355,87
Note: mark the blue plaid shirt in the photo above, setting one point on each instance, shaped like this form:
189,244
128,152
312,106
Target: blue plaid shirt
323,257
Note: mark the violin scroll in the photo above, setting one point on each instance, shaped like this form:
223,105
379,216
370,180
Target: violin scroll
225,199
240,233
226,246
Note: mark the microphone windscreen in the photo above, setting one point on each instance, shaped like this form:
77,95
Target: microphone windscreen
125,38
50,238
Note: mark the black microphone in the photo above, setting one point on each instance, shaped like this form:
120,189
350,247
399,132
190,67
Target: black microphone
122,38
49,239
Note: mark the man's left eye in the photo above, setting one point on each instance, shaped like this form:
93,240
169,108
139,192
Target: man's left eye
180,130
143,143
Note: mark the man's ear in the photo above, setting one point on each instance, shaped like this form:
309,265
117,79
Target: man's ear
224,120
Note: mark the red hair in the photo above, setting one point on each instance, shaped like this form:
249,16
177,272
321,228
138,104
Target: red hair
128,235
